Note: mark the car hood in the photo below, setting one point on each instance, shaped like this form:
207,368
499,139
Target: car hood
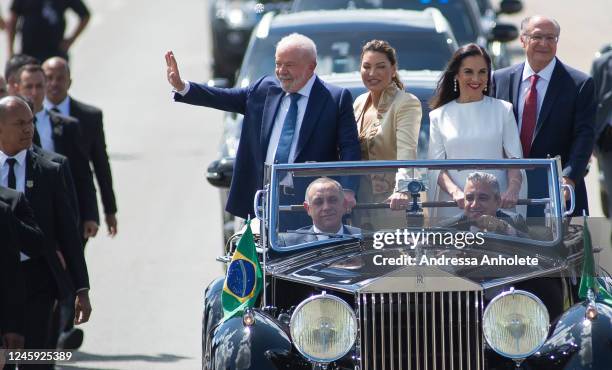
430,269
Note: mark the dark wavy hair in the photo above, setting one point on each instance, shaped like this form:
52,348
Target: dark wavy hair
445,92
381,46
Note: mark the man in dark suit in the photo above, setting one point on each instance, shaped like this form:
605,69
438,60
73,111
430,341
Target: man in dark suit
294,117
93,141
325,204
602,76
12,292
47,277
21,240
482,209
554,106
61,134
11,68
12,302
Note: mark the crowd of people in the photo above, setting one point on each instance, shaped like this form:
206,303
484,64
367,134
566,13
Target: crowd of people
538,108
49,143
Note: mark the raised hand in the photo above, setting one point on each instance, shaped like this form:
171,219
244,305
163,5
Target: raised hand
172,72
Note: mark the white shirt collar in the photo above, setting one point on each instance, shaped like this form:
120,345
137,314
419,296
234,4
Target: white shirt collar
305,90
63,106
317,230
545,73
20,157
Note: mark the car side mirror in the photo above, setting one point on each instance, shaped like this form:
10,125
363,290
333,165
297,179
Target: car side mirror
218,82
510,6
219,172
503,32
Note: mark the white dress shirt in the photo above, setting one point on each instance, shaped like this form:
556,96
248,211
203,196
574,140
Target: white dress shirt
45,130
20,170
63,106
279,120
325,237
20,176
541,86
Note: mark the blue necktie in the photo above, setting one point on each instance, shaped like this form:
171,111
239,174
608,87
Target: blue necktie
286,137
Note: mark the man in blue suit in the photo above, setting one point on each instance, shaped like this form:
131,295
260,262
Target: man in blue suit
554,106
294,117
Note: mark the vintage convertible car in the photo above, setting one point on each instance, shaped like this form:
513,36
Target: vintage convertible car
417,287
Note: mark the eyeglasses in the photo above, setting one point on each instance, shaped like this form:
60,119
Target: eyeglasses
551,39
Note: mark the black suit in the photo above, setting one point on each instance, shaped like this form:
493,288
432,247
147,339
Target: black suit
602,76
12,293
19,230
51,204
565,124
67,142
29,237
64,164
94,144
45,278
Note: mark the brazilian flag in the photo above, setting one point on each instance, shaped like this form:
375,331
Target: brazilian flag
244,277
588,281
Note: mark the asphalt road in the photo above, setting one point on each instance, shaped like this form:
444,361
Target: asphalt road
147,283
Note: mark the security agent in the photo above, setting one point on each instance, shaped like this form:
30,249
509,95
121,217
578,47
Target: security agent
482,209
40,180
325,204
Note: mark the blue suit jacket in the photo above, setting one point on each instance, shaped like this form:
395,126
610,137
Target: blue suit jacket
565,125
328,131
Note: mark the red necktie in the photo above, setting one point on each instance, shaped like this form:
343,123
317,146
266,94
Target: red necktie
530,116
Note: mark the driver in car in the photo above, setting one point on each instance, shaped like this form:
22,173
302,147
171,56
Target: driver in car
482,209
325,204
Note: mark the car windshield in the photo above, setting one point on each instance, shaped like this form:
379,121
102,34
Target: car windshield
456,12
340,52
307,201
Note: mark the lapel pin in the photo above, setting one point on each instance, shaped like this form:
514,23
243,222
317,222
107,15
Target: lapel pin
29,184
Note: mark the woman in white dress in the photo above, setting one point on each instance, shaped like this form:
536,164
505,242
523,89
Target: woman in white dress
466,123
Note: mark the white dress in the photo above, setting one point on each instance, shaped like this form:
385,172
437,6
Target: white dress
485,129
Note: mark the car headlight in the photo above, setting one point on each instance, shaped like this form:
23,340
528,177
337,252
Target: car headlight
323,328
516,324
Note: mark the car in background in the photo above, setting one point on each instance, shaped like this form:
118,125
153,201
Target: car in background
467,19
231,23
423,41
505,7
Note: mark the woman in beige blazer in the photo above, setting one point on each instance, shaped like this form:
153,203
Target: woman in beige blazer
388,121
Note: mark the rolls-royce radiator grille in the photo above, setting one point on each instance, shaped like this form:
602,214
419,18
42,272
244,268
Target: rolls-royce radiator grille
421,331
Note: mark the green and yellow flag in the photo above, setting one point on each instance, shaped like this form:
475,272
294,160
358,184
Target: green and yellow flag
244,277
588,281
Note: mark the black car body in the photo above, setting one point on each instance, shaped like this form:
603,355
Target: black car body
424,44
470,21
400,316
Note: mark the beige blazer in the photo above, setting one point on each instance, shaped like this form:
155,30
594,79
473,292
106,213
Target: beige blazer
395,135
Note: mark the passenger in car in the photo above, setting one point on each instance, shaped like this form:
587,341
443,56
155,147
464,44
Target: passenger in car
293,117
466,123
325,204
482,209
388,122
